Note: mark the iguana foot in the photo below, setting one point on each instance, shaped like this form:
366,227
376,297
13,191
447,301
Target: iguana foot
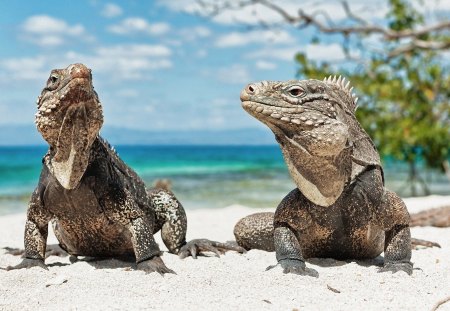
295,266
395,267
154,264
28,263
197,246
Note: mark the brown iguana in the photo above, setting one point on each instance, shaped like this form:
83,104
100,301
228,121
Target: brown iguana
98,205
340,208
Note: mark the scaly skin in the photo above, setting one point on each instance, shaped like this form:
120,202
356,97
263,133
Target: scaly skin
98,205
340,208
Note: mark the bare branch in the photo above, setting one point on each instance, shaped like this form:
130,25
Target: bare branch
417,33
289,18
351,15
421,44
364,28
361,27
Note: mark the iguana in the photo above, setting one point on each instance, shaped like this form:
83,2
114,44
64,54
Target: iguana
98,205
340,208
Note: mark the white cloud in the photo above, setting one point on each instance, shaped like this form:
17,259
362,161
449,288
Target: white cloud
27,68
262,37
328,52
318,52
188,6
127,61
50,40
234,74
285,54
44,24
111,10
193,33
136,25
114,63
45,30
201,32
264,65
256,13
127,93
134,50
252,14
201,53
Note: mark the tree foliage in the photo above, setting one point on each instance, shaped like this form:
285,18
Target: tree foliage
404,97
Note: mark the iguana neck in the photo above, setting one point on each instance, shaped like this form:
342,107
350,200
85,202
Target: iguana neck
321,179
69,157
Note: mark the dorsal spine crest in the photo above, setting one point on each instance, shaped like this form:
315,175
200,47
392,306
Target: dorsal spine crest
345,86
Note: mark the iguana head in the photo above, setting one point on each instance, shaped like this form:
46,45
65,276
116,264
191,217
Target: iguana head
298,105
312,121
69,118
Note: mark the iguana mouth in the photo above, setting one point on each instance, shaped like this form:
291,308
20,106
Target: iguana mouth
264,111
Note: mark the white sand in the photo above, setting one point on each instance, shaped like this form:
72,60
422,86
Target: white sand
228,283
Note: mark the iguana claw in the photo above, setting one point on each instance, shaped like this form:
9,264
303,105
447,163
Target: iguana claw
154,264
396,267
295,266
197,246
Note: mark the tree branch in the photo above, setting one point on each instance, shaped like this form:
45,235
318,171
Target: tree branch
421,44
361,26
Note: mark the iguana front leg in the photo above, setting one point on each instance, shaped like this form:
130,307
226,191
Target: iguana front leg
393,216
290,216
289,253
36,232
121,207
145,248
171,218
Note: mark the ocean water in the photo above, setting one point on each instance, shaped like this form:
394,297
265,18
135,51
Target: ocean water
201,176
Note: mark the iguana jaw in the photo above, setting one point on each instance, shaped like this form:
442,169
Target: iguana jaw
69,118
273,116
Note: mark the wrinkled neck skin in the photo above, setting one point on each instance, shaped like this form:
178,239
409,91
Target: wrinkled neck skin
69,119
320,177
69,157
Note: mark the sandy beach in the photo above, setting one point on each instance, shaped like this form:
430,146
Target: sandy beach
231,282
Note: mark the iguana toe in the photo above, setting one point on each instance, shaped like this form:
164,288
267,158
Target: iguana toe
197,246
154,264
296,266
396,267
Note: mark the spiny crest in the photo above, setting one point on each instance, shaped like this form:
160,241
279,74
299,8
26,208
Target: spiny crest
344,85
108,145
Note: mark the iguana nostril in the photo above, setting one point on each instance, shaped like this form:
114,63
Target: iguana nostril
250,89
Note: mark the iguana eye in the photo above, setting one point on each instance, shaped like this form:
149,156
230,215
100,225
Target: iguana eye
53,81
53,78
296,91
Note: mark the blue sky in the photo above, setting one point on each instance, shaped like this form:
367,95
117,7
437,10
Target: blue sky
157,65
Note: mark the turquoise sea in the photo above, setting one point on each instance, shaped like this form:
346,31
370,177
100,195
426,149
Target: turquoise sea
201,176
